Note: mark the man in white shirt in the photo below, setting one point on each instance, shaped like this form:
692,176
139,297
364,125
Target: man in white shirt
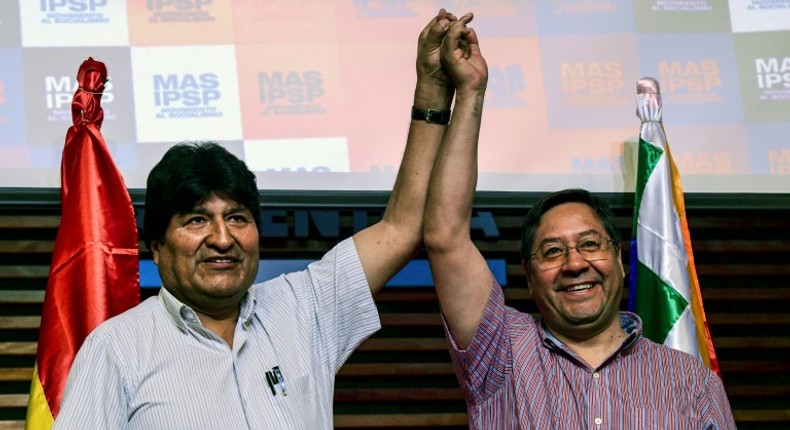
213,351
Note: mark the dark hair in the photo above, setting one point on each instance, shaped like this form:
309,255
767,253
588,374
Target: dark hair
571,195
187,174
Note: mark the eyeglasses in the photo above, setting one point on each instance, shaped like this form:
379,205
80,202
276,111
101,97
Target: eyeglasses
555,254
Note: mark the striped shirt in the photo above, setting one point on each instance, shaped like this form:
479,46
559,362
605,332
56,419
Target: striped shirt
515,375
156,367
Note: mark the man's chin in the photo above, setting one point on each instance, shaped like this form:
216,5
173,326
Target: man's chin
583,320
224,292
235,291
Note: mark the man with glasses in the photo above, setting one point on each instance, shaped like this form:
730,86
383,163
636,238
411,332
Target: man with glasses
584,364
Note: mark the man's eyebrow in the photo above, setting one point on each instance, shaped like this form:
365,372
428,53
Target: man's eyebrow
197,210
590,232
236,209
549,240
579,235
200,210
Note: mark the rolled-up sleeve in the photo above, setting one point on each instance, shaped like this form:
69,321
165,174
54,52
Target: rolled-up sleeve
482,367
343,305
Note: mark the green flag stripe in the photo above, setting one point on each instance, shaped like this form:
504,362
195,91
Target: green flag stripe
658,303
649,155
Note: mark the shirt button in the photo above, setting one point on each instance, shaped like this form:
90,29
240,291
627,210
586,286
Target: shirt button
598,421
596,375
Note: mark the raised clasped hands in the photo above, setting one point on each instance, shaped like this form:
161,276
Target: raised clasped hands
449,62
461,57
434,87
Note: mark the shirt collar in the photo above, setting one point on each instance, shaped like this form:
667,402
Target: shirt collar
184,316
632,324
247,308
629,321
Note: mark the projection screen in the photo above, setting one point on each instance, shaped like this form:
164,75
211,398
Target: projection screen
316,95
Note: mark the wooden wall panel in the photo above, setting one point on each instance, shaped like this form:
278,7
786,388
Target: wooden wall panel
402,377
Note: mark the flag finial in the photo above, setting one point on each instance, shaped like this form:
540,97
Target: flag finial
647,86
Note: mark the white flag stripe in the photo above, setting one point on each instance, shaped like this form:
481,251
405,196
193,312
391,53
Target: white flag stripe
659,234
683,335
653,133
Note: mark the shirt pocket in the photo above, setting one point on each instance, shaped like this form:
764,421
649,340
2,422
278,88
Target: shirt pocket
663,419
303,403
299,387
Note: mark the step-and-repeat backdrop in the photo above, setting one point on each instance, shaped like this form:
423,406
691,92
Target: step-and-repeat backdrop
316,94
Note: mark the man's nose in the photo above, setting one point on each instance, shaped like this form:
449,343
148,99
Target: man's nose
574,259
220,235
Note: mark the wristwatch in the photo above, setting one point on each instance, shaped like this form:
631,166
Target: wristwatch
431,116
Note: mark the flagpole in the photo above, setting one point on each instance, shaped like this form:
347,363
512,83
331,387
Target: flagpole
664,286
94,270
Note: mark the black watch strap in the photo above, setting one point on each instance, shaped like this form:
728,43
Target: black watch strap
431,116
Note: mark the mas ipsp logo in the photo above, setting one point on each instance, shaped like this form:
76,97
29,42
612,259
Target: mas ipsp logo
603,164
691,81
186,95
291,93
506,86
59,92
179,11
773,77
592,83
73,11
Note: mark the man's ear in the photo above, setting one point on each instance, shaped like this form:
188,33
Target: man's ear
155,250
525,268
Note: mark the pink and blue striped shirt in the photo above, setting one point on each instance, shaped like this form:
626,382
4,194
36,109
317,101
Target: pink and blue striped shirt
516,375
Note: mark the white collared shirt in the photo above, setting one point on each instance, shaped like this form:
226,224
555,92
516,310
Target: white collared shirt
156,367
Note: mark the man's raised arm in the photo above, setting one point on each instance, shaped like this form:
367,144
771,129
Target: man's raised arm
463,280
385,247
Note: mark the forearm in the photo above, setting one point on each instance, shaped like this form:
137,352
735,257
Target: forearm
433,90
388,245
406,205
460,272
451,195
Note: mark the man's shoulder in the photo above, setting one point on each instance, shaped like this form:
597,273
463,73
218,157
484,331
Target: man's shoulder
673,359
132,320
273,286
523,327
124,334
343,257
516,322
522,320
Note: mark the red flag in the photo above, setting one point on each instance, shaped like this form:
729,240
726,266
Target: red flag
94,270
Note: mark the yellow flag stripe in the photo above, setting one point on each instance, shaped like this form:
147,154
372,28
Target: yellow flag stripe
39,416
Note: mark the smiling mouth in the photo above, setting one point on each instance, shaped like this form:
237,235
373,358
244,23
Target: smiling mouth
578,287
220,260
